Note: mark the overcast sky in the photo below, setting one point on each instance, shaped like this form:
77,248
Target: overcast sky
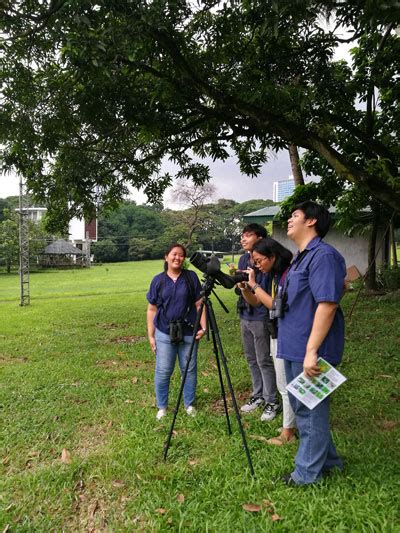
226,177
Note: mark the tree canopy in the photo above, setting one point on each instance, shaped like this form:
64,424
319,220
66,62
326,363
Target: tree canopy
132,232
97,94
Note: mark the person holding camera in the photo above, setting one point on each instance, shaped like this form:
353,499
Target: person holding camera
312,326
174,298
255,336
270,257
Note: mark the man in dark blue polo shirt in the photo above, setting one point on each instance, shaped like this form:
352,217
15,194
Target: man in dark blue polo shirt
312,327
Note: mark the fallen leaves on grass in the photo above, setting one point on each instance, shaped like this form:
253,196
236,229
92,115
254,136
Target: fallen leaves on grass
256,508
92,509
161,510
251,507
388,425
33,454
193,462
134,380
128,339
66,457
181,498
129,401
118,483
258,437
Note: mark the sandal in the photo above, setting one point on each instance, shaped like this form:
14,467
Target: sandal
280,440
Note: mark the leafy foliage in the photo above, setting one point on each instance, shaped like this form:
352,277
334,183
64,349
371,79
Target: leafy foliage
133,232
97,95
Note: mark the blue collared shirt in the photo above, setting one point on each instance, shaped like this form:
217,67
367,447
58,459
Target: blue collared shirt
259,312
172,299
315,276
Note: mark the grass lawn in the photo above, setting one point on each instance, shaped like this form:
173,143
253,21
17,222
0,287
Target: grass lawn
81,449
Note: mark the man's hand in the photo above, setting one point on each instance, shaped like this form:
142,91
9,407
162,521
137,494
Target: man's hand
310,366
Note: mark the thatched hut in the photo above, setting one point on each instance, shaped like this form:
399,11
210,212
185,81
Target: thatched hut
61,253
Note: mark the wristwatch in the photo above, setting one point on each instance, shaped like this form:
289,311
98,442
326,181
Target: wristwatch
256,286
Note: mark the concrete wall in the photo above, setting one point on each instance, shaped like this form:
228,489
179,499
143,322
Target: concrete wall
354,249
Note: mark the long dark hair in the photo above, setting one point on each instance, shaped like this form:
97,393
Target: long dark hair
272,248
170,247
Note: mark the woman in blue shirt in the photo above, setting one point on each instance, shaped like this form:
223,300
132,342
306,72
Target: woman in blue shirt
272,258
174,296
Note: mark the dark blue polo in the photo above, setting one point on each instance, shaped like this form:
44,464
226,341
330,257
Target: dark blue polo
315,276
259,312
172,299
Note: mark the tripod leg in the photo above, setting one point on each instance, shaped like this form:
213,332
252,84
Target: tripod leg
214,327
189,357
215,349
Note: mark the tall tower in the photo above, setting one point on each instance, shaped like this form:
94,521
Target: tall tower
23,245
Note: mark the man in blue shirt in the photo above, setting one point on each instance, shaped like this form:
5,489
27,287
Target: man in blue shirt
312,326
255,336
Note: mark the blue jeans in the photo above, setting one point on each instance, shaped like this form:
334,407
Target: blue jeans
316,454
166,354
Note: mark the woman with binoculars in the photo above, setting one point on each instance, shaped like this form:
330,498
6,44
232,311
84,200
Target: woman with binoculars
174,298
270,257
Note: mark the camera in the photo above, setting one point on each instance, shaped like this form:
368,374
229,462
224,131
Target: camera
212,267
239,276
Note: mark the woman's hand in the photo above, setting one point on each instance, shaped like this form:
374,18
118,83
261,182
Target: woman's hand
252,277
200,334
153,345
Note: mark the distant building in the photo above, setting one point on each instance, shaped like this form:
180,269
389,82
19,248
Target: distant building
283,189
79,230
34,213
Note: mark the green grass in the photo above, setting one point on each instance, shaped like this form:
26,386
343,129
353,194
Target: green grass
77,374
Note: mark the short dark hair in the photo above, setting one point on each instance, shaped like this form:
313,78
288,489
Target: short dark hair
171,247
259,230
319,212
272,248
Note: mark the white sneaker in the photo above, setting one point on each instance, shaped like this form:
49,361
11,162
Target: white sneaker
253,403
191,411
270,411
161,413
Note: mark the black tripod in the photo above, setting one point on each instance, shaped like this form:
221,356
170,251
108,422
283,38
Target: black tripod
206,290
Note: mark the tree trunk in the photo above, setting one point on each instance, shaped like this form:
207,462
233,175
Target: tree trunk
295,163
393,246
371,276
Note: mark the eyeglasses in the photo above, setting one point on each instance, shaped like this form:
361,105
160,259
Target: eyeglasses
246,235
259,261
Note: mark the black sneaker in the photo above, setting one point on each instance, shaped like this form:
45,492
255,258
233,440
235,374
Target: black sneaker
252,404
270,411
287,480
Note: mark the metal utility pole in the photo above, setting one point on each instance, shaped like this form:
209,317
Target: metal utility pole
88,242
23,246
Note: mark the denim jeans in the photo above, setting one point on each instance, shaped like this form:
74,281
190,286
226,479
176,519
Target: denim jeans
255,338
166,354
316,453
